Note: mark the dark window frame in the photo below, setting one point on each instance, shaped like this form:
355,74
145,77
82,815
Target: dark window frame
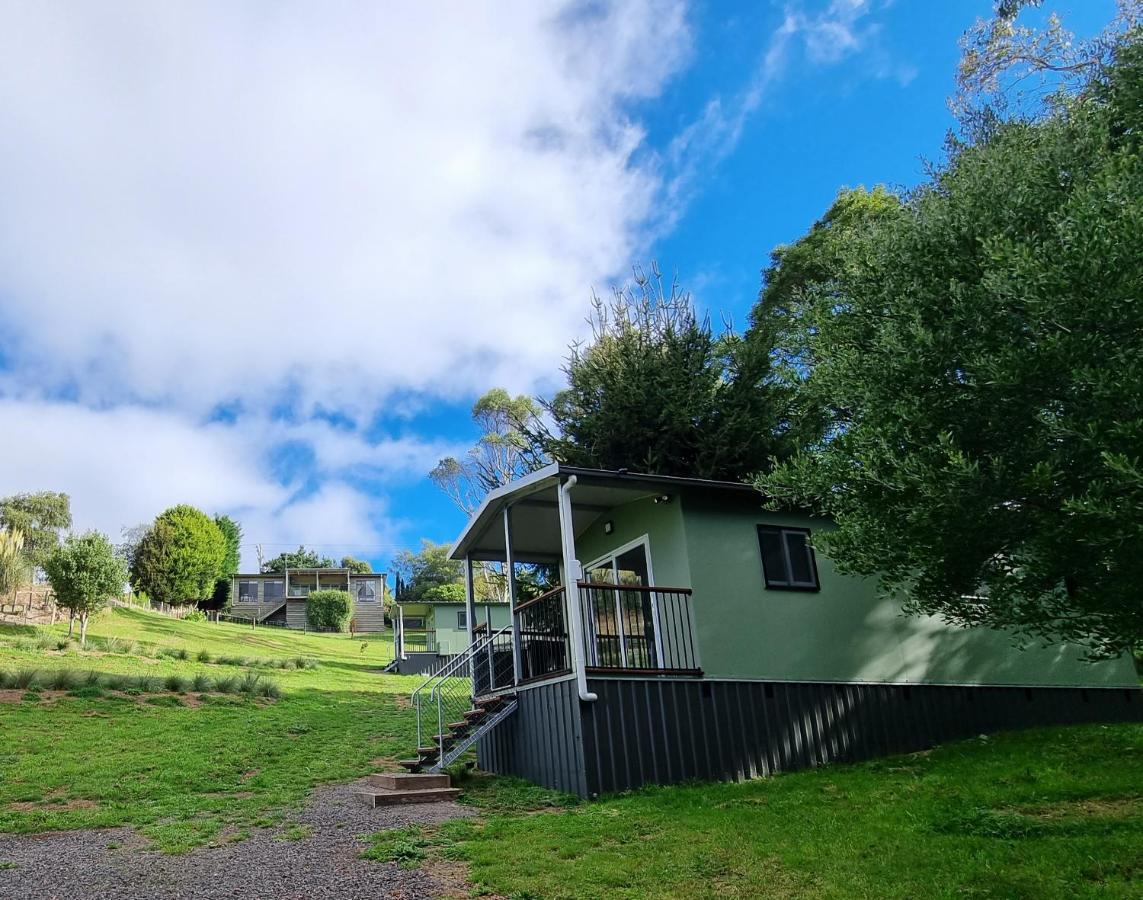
787,583
462,619
408,621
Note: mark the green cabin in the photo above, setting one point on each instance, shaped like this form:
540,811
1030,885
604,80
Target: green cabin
695,634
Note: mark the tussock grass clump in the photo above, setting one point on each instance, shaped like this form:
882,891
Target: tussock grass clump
145,684
117,682
7,680
26,678
226,685
204,656
63,680
175,683
63,643
45,640
250,683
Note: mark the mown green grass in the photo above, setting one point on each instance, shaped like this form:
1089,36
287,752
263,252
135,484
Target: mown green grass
1038,814
180,772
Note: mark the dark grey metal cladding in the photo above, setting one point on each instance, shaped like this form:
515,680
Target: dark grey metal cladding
542,741
424,663
659,731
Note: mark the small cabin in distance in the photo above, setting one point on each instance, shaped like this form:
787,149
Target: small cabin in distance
279,598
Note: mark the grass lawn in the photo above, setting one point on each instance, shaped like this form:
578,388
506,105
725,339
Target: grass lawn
182,770
1038,814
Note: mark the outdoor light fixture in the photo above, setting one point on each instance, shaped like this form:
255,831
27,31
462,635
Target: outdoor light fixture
608,527
663,498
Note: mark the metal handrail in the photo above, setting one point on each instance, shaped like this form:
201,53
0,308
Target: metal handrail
436,682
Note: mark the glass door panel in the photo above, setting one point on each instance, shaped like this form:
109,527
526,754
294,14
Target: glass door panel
623,622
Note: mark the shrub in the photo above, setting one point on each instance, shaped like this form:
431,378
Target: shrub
329,609
195,615
175,683
26,678
63,680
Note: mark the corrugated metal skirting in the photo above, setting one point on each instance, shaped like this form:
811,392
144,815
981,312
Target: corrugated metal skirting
660,731
542,741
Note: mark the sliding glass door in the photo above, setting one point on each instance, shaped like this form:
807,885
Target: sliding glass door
621,611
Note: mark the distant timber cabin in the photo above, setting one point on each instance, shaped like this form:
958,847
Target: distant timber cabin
698,636
427,634
279,598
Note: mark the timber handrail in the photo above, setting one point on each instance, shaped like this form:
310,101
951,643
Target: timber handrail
640,588
547,595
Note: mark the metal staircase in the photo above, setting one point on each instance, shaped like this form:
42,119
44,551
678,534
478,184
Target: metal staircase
449,719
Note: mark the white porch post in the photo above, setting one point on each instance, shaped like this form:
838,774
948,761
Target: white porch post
573,572
399,641
510,573
470,614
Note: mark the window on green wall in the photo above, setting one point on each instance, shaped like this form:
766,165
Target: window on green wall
787,558
461,619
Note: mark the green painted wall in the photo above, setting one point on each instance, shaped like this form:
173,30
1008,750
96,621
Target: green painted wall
845,631
450,638
663,525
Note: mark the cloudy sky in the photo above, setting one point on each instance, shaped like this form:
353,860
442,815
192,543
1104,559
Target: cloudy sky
262,256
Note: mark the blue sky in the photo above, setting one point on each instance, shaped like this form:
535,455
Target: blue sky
262,258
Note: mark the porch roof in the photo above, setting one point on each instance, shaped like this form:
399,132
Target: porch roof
535,515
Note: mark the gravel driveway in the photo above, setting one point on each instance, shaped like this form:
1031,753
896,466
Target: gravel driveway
116,863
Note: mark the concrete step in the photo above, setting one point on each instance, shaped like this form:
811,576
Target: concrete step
374,796
405,782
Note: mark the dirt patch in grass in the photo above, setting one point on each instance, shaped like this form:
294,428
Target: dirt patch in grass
384,762
401,701
246,776
451,877
1093,807
17,695
54,800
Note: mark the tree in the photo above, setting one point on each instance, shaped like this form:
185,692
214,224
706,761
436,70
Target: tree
180,559
504,451
426,571
13,563
299,559
982,353
40,517
356,566
232,535
656,391
85,572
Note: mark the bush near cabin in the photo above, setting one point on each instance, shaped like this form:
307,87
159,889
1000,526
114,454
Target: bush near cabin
329,609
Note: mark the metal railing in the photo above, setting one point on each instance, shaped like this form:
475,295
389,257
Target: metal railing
419,641
544,648
443,698
638,628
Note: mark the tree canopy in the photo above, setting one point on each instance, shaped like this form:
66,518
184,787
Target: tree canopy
428,574
356,566
298,559
504,451
979,351
13,563
39,517
232,536
655,390
180,559
85,572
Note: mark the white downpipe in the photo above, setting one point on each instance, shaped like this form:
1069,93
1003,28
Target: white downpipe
572,575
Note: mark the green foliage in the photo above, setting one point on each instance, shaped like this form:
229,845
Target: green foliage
232,535
505,450
444,593
40,517
14,567
299,559
980,351
195,615
329,609
181,557
427,571
656,391
85,573
356,566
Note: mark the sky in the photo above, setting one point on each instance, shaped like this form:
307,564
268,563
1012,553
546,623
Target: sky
262,257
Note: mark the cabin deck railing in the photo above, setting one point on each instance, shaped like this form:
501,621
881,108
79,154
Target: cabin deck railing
638,629
543,636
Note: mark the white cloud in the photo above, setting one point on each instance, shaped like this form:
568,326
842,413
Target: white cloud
209,200
124,466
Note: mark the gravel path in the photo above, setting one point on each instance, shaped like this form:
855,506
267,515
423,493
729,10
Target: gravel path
117,864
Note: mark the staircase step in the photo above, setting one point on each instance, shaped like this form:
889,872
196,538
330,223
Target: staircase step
459,726
472,714
403,782
413,765
381,797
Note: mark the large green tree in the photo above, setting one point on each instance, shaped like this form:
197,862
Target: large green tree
981,351
655,390
85,572
356,566
232,535
180,559
297,559
428,574
40,517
